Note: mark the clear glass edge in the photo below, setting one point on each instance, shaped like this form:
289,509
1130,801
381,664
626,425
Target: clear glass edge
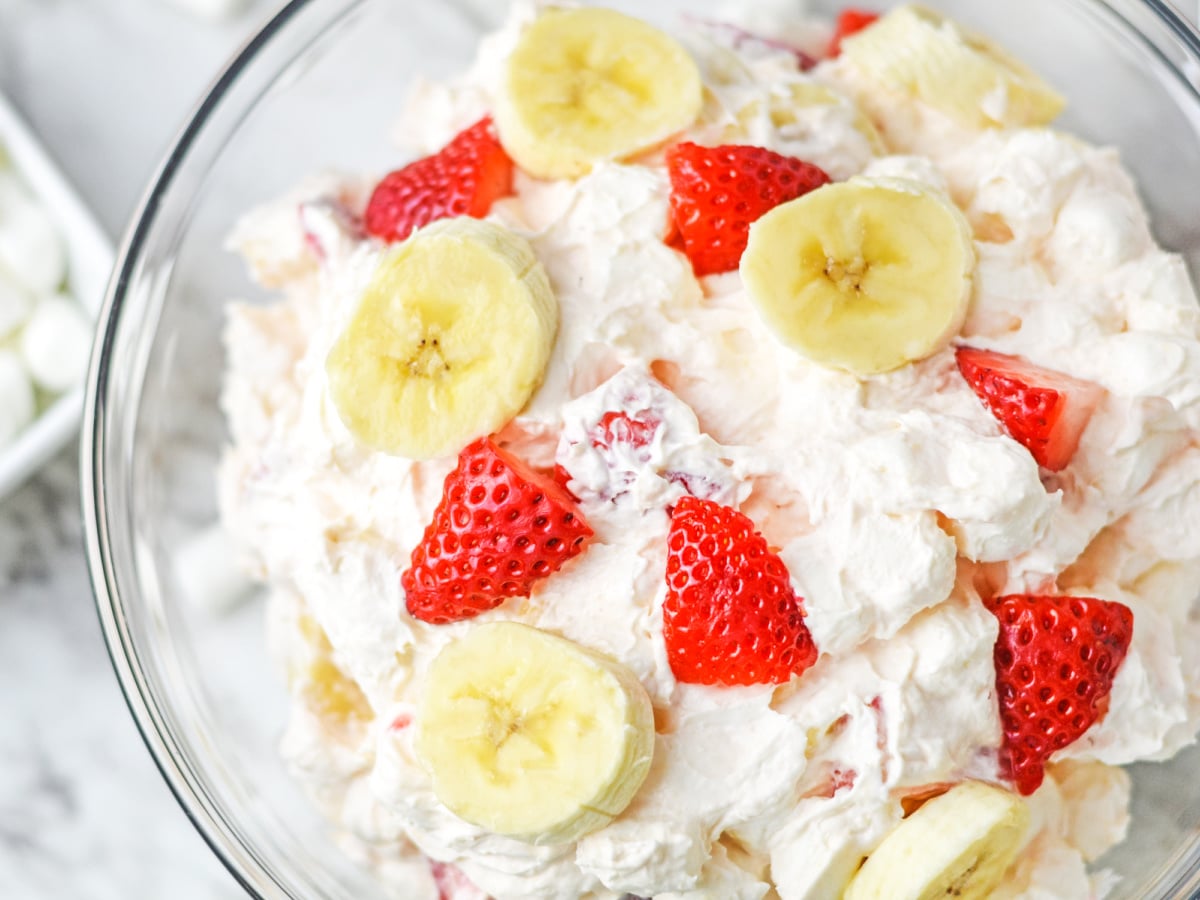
183,783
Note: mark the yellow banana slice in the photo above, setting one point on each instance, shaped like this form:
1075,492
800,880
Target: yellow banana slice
533,736
587,85
958,845
326,691
919,52
449,342
864,275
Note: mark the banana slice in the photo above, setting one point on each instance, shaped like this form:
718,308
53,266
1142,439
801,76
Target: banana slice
449,342
325,690
864,275
919,52
587,85
530,735
958,844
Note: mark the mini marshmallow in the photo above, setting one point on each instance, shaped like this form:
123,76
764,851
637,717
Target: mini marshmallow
213,10
31,247
16,397
208,573
15,304
56,343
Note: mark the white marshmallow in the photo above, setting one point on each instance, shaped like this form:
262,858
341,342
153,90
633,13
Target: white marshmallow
15,304
16,397
31,247
208,573
56,343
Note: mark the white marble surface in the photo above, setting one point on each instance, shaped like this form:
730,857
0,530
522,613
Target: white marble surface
83,812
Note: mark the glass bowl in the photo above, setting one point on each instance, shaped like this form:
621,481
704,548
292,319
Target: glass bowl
199,685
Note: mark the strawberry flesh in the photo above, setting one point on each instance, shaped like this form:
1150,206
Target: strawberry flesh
453,884
499,529
618,427
1043,410
464,178
1055,660
849,21
730,615
717,192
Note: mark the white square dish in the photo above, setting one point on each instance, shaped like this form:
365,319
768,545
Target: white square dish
89,262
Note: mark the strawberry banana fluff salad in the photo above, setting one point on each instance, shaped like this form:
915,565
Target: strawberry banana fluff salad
724,465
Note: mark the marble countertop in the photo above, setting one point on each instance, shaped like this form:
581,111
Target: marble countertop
83,811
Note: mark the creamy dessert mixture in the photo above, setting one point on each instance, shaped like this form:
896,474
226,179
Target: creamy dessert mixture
724,465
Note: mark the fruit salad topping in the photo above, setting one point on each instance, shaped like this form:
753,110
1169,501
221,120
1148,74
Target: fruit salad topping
464,178
1043,410
1056,658
731,615
865,275
453,884
530,736
533,736
633,443
499,530
449,340
849,21
631,87
957,844
948,68
717,192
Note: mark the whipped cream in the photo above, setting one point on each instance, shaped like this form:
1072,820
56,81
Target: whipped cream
892,501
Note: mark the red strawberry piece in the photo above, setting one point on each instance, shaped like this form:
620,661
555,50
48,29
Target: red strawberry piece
1055,658
1043,410
730,616
849,21
464,178
453,884
716,192
562,477
500,528
621,428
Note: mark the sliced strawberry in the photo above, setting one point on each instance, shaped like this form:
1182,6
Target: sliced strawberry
730,615
453,884
849,21
717,192
1043,410
464,178
1055,659
499,529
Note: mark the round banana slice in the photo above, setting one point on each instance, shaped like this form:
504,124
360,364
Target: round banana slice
958,844
864,275
587,85
533,736
921,53
449,342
